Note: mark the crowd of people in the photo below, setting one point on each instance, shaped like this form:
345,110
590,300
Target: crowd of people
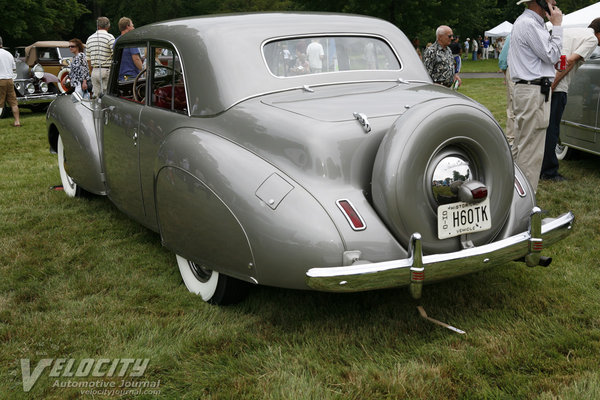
99,49
537,83
87,76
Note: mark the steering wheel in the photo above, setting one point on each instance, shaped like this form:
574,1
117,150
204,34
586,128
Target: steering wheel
140,88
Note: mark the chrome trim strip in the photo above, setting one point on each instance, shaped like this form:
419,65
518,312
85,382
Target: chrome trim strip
397,81
45,98
579,126
326,35
395,273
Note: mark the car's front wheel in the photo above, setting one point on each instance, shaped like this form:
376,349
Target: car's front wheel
213,287
70,188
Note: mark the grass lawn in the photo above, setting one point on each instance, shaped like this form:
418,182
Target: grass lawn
79,280
489,65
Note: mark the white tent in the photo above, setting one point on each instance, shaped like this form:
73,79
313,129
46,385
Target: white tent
501,30
580,18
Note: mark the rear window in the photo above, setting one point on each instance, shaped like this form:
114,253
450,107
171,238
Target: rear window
316,55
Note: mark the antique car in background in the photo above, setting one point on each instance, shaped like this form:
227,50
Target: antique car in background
54,56
580,127
305,151
36,83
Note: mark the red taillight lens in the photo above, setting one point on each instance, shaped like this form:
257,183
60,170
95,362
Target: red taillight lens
479,193
353,217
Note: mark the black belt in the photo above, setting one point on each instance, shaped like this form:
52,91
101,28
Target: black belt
543,83
533,82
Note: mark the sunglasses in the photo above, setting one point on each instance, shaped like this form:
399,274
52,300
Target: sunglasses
72,47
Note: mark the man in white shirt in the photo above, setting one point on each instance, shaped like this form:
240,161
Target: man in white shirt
531,57
8,69
315,55
99,50
578,46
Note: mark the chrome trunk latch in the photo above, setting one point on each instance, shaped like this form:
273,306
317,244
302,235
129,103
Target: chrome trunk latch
362,119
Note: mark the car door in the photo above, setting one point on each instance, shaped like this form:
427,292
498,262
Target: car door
120,139
580,123
166,110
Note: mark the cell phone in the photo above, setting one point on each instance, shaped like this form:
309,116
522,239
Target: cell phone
544,5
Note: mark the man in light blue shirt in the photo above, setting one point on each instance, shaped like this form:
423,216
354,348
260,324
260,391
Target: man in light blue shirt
531,57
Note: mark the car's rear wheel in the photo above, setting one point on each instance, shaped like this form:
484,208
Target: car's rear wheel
426,150
213,287
70,188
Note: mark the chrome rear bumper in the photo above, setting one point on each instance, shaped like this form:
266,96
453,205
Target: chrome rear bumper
418,269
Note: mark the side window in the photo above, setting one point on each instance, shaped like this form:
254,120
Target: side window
47,54
127,78
168,88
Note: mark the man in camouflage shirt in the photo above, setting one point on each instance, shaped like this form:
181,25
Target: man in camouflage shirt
438,58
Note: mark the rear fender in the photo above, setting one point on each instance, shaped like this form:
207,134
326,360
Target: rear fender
520,210
74,122
220,205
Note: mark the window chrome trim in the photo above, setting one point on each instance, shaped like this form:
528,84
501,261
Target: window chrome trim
148,43
325,35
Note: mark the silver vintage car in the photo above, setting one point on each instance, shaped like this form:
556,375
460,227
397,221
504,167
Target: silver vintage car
580,127
306,151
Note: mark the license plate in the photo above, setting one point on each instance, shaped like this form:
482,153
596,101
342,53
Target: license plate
461,218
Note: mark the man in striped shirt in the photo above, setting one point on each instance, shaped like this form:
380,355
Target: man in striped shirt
99,50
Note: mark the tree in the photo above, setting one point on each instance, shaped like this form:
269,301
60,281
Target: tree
25,21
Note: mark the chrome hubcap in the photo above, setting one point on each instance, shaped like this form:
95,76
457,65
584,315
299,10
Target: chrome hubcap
201,273
449,173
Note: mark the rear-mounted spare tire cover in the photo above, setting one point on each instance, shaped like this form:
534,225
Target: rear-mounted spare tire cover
407,158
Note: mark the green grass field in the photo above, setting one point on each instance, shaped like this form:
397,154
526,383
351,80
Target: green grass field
489,65
80,280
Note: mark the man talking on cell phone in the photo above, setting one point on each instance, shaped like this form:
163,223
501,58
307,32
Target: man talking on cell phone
531,58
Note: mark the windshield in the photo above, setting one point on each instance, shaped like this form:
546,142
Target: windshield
65,52
315,55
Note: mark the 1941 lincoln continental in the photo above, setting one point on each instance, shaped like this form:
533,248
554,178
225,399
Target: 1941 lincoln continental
305,151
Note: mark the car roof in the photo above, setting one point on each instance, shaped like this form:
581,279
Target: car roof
222,55
31,53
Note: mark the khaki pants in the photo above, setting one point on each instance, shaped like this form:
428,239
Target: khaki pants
96,74
532,114
7,93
